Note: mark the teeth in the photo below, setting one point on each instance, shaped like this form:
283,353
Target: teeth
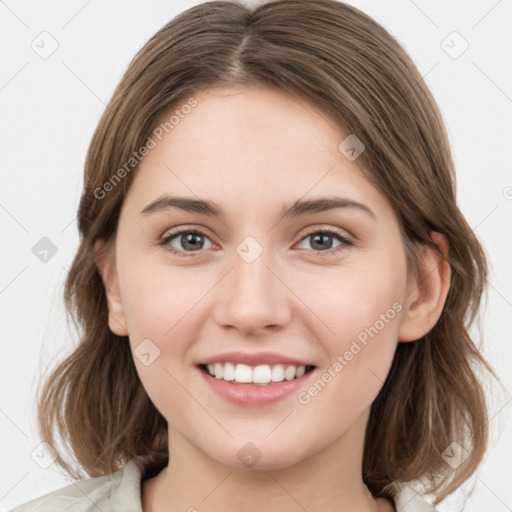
289,373
261,374
278,373
301,370
228,373
243,373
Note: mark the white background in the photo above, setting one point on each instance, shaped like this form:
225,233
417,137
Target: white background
50,107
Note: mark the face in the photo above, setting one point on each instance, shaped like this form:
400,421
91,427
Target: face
254,281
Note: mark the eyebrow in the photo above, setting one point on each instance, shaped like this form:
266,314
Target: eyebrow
297,209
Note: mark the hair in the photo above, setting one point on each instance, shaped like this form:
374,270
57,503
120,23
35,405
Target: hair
349,67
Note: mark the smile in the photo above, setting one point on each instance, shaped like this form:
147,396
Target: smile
250,393
262,374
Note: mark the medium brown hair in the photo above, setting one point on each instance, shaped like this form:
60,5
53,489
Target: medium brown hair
351,69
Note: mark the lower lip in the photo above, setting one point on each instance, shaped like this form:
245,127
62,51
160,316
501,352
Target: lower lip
246,395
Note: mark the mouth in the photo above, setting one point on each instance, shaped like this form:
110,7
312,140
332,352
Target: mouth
259,375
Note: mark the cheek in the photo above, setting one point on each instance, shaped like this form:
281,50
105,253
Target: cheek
156,300
161,310
353,299
360,313
161,305
360,353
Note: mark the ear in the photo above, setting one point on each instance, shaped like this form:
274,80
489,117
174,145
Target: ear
105,261
427,291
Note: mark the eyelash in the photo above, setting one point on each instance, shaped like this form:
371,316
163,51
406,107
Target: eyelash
346,242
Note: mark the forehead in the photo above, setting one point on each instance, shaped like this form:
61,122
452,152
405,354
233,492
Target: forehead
249,145
241,119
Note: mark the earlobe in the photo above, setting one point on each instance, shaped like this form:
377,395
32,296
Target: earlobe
427,291
107,270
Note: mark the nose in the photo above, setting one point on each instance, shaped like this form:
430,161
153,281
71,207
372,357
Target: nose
254,297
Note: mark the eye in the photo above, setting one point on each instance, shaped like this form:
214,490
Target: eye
193,242
190,243
320,241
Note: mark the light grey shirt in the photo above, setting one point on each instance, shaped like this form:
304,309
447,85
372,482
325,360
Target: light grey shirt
121,492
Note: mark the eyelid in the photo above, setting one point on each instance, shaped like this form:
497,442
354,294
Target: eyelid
174,232
315,228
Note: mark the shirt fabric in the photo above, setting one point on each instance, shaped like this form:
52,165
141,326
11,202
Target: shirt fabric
121,492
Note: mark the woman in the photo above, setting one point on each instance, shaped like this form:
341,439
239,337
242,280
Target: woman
273,279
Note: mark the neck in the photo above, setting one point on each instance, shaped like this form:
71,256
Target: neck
330,480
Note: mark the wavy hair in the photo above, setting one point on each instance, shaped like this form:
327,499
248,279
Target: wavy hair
348,66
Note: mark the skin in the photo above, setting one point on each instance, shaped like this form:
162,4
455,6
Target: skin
252,150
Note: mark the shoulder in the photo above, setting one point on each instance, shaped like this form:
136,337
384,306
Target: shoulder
408,500
117,491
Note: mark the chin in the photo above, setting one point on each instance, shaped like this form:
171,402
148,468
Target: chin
261,456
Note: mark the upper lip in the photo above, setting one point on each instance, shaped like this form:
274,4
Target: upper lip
254,359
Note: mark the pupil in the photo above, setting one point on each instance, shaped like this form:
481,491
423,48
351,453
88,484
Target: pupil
193,239
321,237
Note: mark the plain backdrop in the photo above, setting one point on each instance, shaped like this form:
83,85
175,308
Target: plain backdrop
50,105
